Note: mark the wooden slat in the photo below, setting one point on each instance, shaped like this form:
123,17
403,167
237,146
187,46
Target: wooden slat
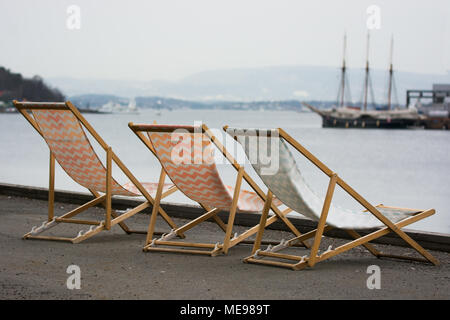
108,188
270,263
156,207
162,128
77,221
198,220
83,207
234,204
129,213
51,188
30,237
185,244
178,250
279,255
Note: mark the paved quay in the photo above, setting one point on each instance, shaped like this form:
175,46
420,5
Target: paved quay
113,266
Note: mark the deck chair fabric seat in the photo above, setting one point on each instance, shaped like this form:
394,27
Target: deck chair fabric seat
289,186
190,165
62,127
201,182
249,201
73,151
151,188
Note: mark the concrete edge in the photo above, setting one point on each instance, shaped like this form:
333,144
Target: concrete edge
429,240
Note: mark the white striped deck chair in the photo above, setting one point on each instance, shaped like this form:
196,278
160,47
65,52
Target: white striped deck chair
289,186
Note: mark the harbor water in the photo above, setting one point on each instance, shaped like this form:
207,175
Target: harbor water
405,168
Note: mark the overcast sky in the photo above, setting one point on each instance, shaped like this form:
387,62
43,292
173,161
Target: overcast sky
170,39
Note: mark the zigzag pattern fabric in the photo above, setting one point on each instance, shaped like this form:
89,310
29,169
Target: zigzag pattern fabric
289,186
69,144
192,169
151,187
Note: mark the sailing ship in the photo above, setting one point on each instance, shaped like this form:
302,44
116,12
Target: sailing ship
345,115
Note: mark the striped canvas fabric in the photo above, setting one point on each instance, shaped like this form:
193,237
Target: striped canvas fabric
69,144
289,186
190,165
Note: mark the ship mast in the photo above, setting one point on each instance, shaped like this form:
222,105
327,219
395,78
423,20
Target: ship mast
343,71
391,73
366,81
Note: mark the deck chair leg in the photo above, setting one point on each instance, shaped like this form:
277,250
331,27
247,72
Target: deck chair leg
262,222
416,246
51,188
108,188
233,209
155,209
322,221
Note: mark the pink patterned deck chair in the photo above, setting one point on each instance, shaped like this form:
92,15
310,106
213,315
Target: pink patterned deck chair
188,160
61,126
289,186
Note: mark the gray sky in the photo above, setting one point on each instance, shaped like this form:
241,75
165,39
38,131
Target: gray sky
170,39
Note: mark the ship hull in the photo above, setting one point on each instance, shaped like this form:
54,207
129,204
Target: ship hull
437,123
368,123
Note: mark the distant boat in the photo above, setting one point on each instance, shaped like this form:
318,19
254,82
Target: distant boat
114,107
158,110
351,116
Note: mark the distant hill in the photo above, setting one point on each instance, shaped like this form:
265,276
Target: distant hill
256,84
95,101
15,86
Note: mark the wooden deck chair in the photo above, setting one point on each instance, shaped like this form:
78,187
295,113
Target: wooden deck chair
61,126
288,185
194,172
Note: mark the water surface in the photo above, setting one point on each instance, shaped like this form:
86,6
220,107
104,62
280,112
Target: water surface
407,168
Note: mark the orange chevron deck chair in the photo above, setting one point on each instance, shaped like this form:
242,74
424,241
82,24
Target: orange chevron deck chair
188,161
61,126
289,186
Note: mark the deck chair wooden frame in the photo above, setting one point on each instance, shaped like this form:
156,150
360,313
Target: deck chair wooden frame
272,257
230,240
112,217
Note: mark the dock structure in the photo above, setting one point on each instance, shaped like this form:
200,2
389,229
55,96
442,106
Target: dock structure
435,109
